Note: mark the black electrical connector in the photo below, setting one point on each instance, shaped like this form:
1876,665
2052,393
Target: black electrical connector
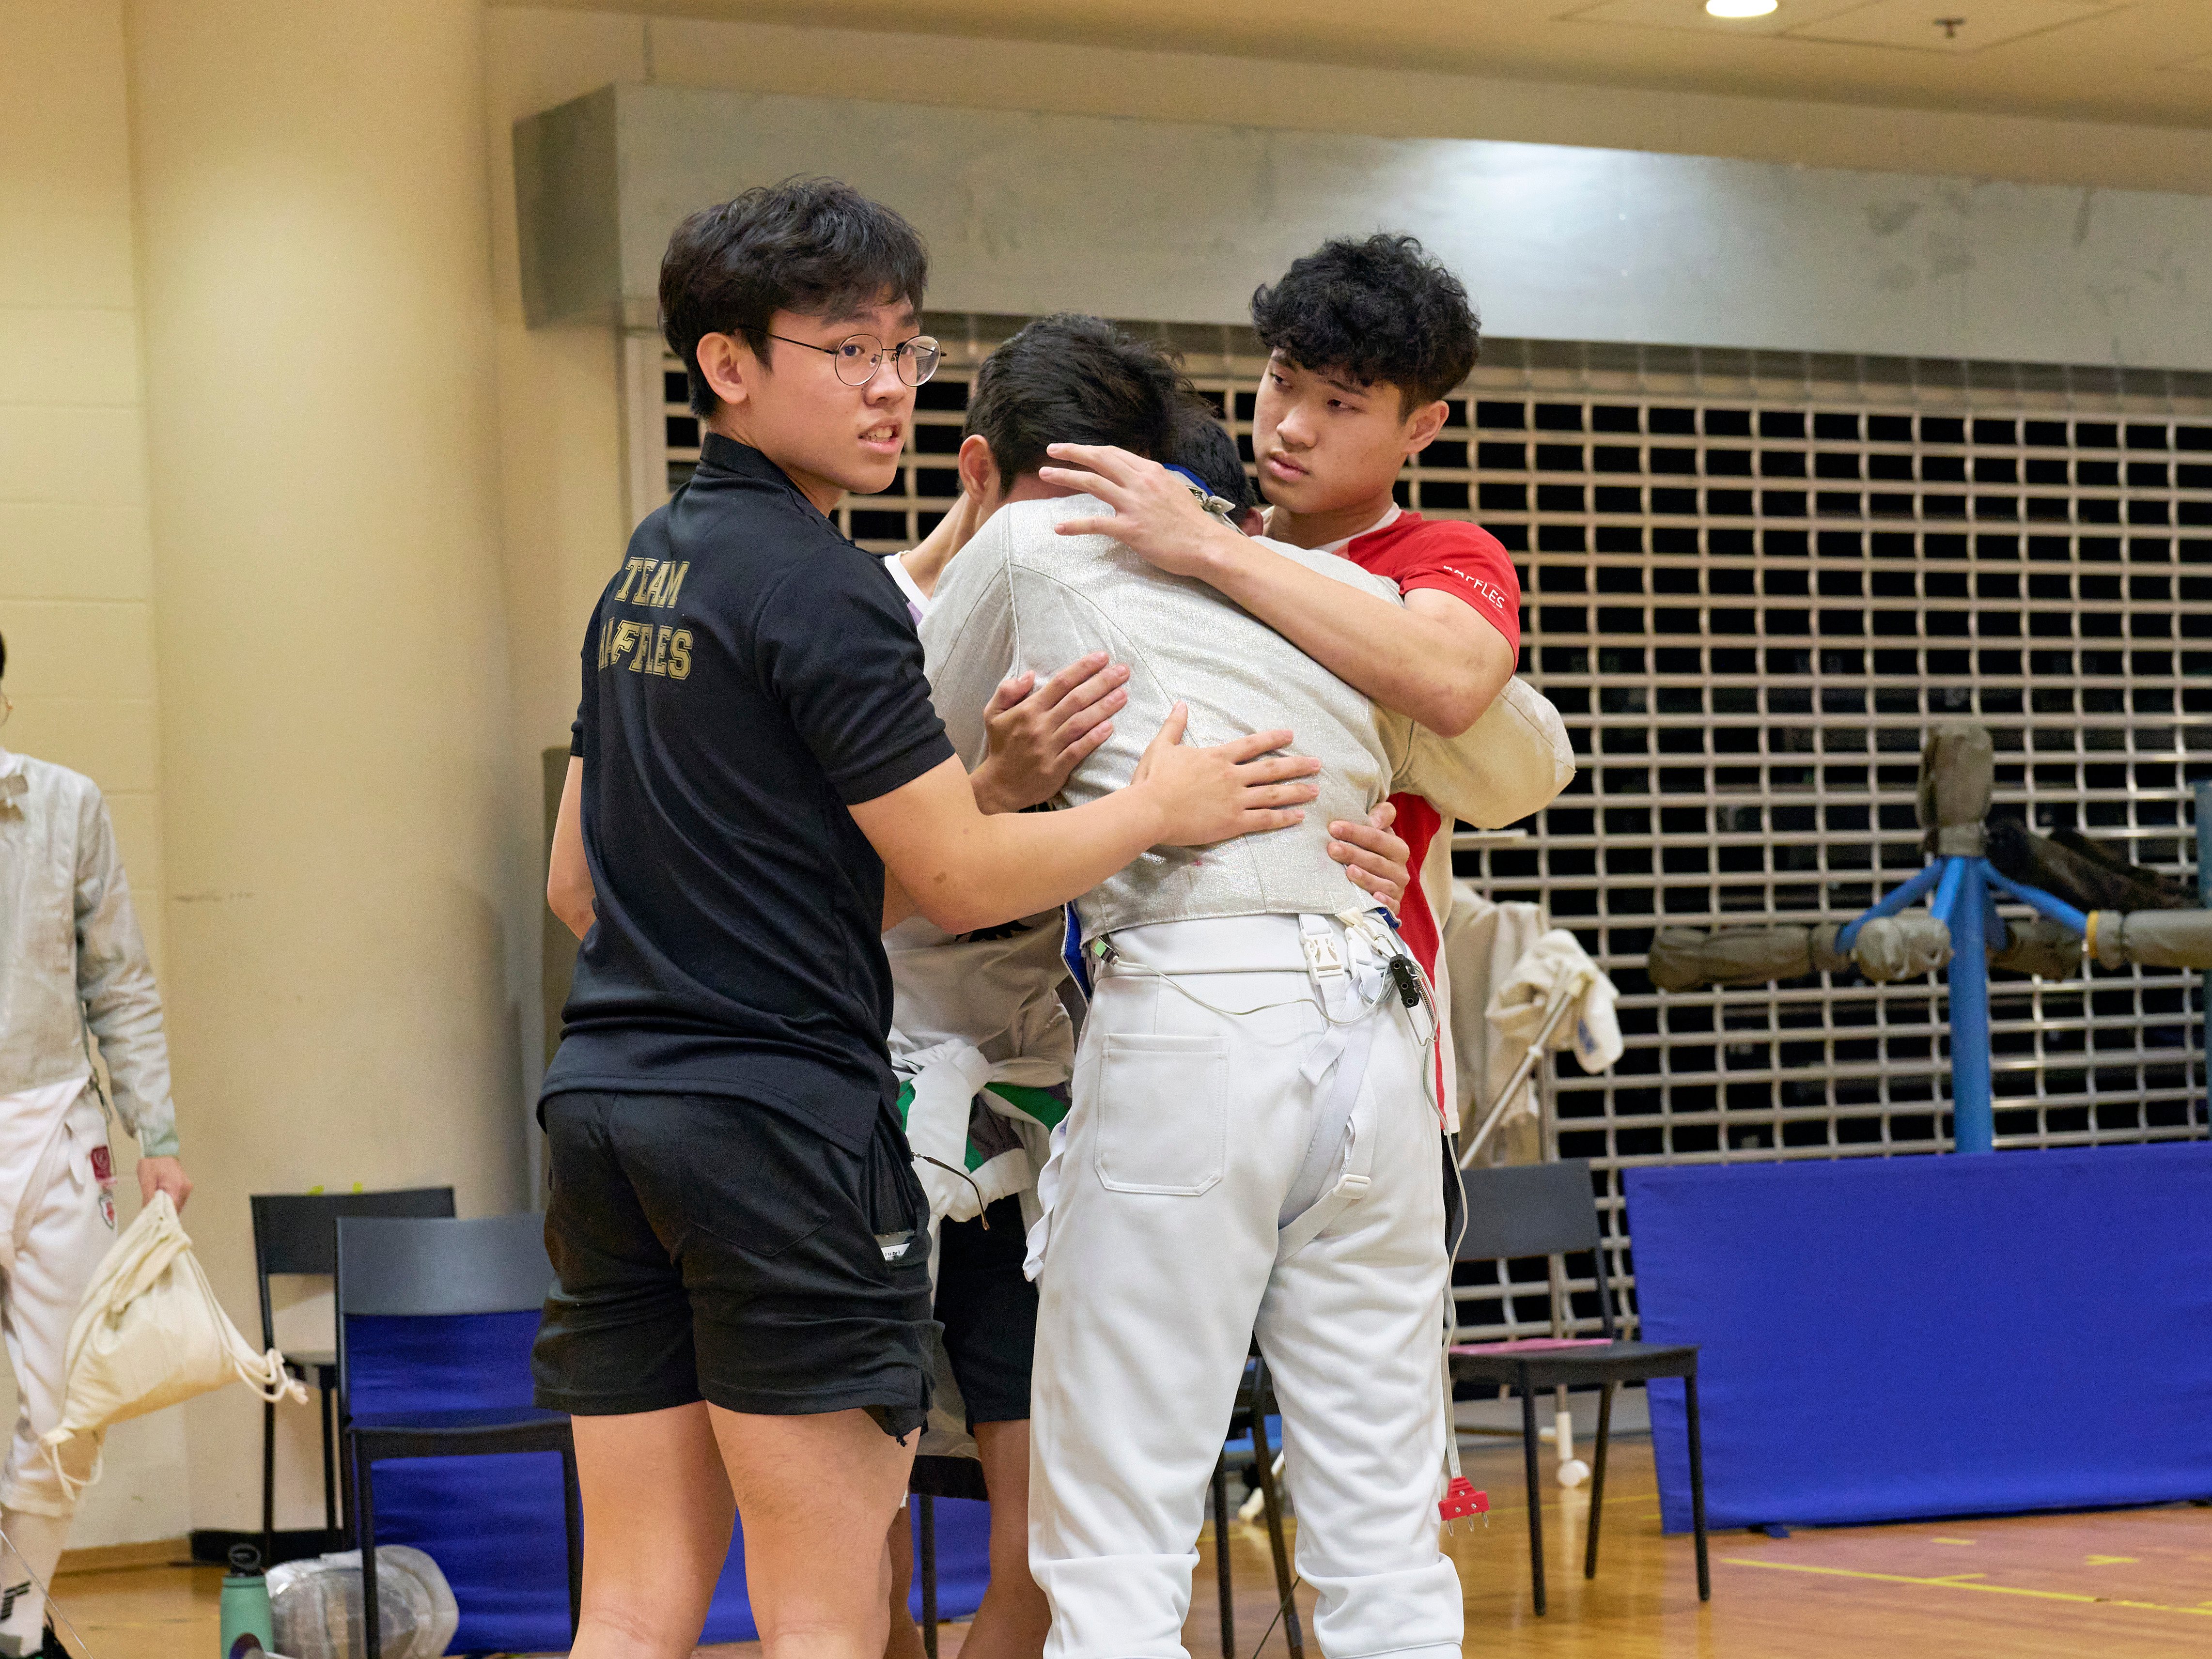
1407,979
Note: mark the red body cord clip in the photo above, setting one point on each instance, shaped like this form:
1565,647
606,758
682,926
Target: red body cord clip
1461,1500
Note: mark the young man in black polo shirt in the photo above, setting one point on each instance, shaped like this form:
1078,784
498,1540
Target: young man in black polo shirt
740,1241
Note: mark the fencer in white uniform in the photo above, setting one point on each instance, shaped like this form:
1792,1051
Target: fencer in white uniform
981,1006
73,969
1253,1141
983,1047
983,1042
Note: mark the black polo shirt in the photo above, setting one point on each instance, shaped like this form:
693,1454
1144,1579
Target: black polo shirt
749,674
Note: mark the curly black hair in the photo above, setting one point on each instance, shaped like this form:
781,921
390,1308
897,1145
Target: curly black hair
1075,380
1203,445
1381,310
815,247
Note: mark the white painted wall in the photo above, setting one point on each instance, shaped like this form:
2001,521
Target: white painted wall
76,578
1027,212
313,222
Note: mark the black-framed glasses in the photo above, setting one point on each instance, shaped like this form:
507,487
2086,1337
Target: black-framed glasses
857,356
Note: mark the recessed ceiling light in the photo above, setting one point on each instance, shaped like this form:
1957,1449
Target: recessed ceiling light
1739,8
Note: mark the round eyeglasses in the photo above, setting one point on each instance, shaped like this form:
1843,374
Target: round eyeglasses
857,356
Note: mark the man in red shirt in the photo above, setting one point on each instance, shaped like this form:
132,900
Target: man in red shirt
1365,340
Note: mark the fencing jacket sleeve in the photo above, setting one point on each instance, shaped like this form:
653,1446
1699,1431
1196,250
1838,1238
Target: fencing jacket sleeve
1513,761
970,636
115,983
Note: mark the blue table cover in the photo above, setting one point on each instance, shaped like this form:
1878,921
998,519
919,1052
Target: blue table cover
1884,1339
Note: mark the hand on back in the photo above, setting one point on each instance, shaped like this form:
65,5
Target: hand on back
1041,734
1375,860
1235,789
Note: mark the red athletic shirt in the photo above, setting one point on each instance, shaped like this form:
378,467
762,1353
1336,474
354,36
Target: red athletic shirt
1464,560
1469,562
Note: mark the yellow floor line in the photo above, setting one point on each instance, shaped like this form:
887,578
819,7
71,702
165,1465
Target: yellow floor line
1961,1583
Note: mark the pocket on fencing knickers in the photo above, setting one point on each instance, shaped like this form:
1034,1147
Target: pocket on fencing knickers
1162,1113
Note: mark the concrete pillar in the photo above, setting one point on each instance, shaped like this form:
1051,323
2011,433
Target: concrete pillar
309,178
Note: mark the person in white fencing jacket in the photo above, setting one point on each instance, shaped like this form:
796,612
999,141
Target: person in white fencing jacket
984,1048
72,974
1254,1142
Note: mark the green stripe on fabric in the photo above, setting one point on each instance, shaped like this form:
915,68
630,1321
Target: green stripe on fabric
905,1101
1042,1104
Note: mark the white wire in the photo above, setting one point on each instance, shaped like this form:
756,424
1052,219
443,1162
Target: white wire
51,1603
1112,961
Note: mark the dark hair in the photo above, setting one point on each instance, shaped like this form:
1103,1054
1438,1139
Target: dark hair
1378,311
1073,379
3,654
812,245
1203,445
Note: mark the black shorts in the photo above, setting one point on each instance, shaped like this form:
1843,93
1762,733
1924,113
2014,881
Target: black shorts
714,1247
989,1312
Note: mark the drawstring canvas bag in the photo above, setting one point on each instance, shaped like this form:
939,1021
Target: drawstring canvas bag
150,1334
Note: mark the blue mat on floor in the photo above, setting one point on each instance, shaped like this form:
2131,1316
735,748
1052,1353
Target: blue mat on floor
1885,1339
493,1524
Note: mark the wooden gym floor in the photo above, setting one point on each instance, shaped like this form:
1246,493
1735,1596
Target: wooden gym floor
2120,1584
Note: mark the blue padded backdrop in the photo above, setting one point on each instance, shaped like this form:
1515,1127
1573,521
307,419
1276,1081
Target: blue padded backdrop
1885,1339
493,1524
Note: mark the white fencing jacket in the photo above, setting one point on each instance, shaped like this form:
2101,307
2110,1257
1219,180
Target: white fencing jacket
70,953
968,1011
1021,596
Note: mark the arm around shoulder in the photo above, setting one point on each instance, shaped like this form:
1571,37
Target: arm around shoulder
1431,659
1472,663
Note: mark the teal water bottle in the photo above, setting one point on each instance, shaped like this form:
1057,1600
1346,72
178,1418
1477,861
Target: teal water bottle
246,1600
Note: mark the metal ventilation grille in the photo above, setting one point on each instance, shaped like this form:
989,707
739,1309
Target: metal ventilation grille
1751,584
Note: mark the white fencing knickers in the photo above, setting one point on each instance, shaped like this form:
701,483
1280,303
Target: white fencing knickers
56,1223
1167,1244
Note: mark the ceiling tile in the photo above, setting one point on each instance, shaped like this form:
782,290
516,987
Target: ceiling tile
1953,26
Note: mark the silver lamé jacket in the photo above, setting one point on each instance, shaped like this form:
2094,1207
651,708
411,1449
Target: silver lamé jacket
70,953
1022,596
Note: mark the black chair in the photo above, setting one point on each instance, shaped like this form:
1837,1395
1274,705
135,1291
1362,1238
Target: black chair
1549,1209
1255,1402
934,1478
427,1270
297,1233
